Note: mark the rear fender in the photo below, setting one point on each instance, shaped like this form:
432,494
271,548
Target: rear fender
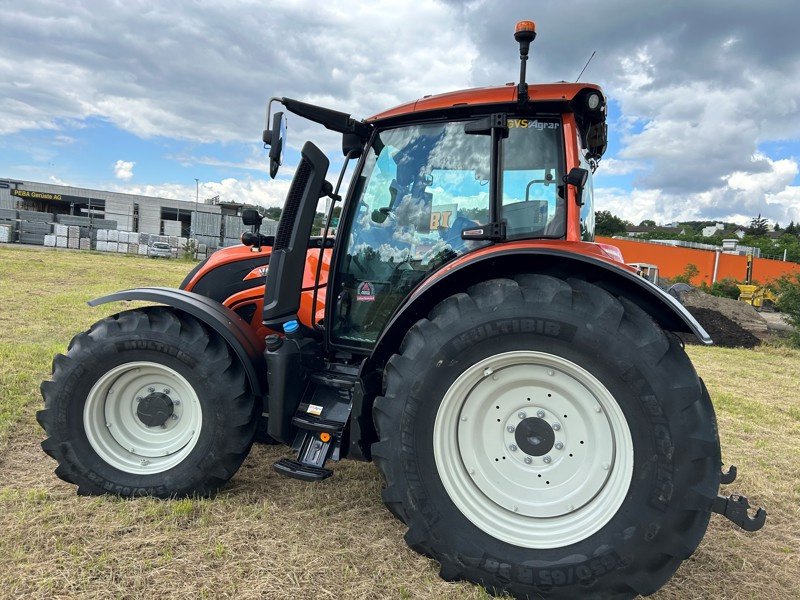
236,332
670,314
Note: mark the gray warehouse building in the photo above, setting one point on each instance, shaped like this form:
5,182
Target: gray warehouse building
212,222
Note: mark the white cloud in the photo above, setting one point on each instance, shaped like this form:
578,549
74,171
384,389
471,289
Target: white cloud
700,89
123,170
738,198
247,191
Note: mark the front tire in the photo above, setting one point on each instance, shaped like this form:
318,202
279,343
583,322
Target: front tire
497,458
148,402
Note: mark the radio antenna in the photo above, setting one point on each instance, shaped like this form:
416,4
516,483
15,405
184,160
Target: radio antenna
586,65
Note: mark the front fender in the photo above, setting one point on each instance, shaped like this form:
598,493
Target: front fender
236,332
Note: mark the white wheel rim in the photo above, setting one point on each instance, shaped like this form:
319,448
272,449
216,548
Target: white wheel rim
121,438
552,499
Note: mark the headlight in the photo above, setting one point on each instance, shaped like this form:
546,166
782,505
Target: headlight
593,101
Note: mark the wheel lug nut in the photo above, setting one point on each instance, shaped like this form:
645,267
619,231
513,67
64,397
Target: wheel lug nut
139,398
559,445
528,460
547,460
510,429
513,447
540,414
151,389
521,414
176,402
167,390
556,426
174,417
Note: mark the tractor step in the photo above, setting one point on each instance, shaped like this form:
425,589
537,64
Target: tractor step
312,423
297,470
735,508
319,423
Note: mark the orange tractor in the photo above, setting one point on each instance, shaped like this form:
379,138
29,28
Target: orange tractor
539,426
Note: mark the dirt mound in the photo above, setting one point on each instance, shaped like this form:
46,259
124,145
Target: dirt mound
730,323
724,331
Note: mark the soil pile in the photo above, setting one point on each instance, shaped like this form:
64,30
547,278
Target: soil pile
730,323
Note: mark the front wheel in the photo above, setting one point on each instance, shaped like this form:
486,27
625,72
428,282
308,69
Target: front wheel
540,436
148,402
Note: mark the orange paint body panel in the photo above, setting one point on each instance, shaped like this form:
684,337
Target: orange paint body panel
539,92
672,260
255,294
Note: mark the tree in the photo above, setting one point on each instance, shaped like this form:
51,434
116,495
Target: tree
758,226
791,229
689,272
273,212
607,224
777,226
647,223
789,303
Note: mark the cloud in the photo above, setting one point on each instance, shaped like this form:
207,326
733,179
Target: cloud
737,198
701,89
123,170
246,191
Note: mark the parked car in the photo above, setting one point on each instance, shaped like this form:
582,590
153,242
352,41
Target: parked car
161,249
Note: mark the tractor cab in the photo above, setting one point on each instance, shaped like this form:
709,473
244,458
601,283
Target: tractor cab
437,179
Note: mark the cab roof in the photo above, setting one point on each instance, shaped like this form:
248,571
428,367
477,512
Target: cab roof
561,92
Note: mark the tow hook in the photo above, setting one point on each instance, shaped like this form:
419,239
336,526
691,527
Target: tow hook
729,477
735,507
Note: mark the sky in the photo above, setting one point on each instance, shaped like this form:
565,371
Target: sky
146,97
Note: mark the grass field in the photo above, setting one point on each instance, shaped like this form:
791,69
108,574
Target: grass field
269,537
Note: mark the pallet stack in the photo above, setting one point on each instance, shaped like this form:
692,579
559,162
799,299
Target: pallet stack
8,225
33,226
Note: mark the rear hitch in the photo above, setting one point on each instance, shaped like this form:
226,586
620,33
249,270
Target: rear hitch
735,508
729,477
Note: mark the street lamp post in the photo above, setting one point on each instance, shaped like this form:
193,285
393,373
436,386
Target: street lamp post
196,209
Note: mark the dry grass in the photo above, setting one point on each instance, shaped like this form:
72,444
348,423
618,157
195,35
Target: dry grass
269,537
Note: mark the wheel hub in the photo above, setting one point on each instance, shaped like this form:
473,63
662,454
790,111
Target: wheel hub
154,409
142,417
534,436
533,449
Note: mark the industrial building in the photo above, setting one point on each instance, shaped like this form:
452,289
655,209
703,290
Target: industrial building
212,222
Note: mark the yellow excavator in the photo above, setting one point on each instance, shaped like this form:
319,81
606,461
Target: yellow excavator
760,297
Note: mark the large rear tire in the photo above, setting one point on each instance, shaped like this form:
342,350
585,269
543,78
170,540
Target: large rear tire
542,437
148,402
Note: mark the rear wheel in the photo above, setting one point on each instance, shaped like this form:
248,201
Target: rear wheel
148,402
540,436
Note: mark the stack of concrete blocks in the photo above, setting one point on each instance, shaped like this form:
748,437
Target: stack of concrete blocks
122,244
8,220
101,245
143,242
58,239
7,234
85,243
113,240
73,237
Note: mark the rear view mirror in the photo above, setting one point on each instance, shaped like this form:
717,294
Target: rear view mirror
274,138
577,177
250,216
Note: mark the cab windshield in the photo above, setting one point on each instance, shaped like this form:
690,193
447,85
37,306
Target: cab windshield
421,186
